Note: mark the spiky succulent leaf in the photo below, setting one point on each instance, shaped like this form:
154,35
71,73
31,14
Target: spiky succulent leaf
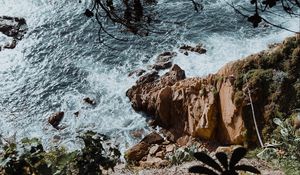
236,156
201,170
222,157
206,159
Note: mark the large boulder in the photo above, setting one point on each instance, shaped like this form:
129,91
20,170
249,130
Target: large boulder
141,149
137,152
153,138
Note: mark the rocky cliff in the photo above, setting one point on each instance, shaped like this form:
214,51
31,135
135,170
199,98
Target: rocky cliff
217,107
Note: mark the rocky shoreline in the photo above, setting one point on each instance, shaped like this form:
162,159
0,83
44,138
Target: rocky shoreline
217,108
211,113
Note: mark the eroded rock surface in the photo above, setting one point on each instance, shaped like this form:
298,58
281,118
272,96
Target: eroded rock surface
217,107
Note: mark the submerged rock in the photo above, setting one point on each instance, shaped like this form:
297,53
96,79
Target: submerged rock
198,48
55,119
137,72
164,61
89,101
165,57
76,113
14,28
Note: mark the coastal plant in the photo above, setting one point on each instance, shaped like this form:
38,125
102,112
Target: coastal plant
94,154
285,151
181,155
29,157
211,167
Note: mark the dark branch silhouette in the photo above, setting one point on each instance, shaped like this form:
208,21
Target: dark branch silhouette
264,6
137,16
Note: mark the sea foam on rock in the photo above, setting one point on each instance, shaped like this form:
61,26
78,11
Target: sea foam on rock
12,27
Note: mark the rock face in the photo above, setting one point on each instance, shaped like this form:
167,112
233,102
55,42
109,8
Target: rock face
216,107
14,28
185,106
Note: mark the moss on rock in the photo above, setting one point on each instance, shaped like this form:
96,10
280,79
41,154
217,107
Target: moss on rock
273,78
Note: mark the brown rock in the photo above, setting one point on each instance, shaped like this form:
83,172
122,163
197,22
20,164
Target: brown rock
182,141
147,78
231,123
154,162
227,149
188,106
154,149
166,57
153,138
160,154
162,65
89,100
170,148
166,142
55,119
213,107
137,152
198,48
143,94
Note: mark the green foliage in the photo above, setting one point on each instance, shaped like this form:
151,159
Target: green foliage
93,155
238,98
181,155
287,150
273,80
31,158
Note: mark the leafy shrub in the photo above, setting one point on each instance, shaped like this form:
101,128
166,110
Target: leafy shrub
181,155
31,158
286,149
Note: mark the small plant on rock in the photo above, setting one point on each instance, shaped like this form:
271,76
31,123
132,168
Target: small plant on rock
227,168
181,155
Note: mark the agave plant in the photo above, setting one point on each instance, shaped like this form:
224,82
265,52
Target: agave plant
227,168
